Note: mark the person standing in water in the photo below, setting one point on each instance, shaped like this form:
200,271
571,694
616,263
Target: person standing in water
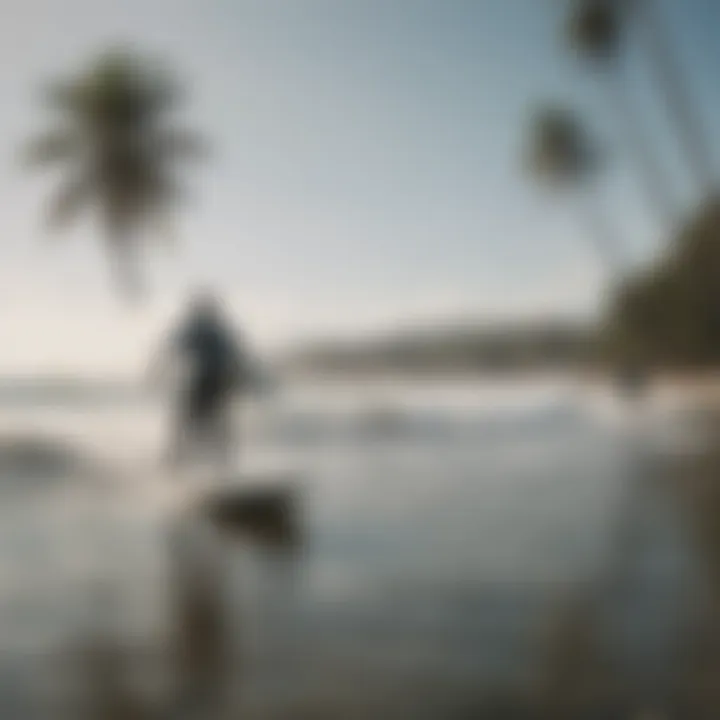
215,368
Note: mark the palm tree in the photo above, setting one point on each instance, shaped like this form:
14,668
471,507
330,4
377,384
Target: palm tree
561,155
595,32
670,80
119,152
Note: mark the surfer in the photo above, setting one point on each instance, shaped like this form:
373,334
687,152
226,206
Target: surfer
215,368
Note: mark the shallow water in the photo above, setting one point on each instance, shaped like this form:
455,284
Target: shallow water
453,535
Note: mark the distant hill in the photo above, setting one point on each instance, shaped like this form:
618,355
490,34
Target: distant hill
460,348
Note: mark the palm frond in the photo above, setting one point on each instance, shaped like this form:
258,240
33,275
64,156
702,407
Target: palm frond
594,28
51,147
560,149
68,202
65,95
114,129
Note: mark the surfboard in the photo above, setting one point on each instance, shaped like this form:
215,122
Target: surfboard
263,505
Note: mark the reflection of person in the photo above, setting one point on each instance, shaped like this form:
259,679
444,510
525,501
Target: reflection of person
216,368
201,639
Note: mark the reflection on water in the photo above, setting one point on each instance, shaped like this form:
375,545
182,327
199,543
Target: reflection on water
467,555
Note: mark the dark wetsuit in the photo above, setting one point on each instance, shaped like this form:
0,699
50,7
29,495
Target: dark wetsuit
216,363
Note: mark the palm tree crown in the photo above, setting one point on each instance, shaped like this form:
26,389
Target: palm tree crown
560,151
595,29
118,149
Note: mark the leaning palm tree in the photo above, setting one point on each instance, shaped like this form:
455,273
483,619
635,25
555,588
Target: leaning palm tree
670,80
114,140
595,32
561,155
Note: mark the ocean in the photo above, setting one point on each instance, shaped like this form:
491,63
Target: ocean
468,549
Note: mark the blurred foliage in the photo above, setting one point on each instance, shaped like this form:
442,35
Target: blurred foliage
560,151
114,139
669,314
595,28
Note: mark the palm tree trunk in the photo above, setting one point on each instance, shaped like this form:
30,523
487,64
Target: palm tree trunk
670,80
658,190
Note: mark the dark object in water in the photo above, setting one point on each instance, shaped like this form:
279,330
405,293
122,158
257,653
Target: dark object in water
268,514
36,461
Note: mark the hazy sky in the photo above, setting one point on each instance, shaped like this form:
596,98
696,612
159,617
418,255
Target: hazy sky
366,167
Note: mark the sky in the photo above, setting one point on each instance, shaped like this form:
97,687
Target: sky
366,168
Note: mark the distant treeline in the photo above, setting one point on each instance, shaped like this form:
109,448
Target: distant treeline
500,348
